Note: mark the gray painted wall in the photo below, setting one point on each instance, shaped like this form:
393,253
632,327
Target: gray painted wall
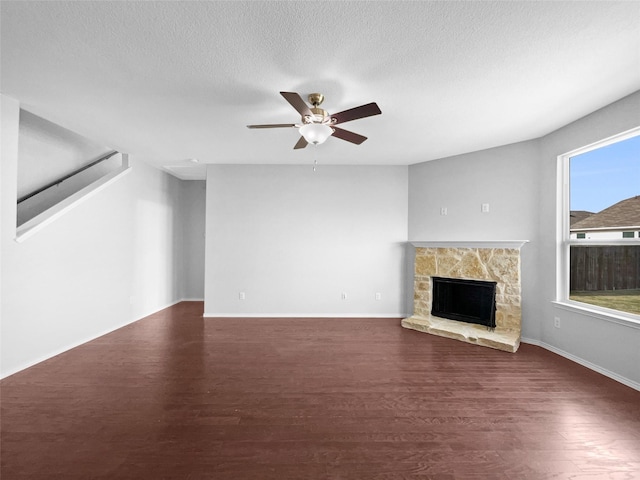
519,182
48,152
193,201
294,240
507,178
112,259
610,347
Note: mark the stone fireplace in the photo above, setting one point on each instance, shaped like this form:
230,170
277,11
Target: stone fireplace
489,261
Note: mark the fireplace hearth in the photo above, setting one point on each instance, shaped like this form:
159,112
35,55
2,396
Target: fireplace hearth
496,265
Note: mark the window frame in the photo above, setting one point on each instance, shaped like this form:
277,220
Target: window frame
564,240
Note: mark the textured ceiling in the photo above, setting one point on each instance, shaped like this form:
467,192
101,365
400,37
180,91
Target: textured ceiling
170,81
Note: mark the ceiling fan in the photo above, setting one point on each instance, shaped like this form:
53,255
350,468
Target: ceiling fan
316,124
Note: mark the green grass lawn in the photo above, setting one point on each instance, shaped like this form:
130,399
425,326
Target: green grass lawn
624,300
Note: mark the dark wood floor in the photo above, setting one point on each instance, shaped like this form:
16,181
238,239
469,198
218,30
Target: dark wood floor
177,396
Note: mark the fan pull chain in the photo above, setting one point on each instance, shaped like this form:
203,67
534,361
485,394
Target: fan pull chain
315,158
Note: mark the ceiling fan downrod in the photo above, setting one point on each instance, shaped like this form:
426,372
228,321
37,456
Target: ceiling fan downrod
319,115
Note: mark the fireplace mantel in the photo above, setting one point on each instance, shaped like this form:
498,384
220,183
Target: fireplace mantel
470,244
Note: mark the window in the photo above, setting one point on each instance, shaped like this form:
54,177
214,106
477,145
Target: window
599,253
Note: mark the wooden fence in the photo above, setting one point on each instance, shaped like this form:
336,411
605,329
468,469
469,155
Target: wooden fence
604,268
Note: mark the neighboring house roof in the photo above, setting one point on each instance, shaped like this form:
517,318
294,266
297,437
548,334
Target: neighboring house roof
625,213
578,215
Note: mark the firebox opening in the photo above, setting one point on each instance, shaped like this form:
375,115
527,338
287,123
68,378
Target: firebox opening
471,301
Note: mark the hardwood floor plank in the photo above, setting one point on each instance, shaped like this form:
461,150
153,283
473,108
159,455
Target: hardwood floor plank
177,396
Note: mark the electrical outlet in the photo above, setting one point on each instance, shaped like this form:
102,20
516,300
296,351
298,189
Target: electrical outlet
443,211
378,296
242,296
485,208
556,322
344,296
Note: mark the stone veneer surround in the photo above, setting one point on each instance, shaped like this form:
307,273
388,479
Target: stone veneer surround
494,261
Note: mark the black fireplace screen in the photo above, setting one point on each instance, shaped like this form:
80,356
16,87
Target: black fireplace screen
471,301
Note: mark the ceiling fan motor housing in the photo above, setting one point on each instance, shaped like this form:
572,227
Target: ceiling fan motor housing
316,99
319,116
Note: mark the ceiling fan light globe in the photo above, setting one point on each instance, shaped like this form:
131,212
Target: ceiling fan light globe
315,133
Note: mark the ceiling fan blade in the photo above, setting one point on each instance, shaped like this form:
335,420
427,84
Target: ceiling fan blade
362,111
273,125
348,136
297,102
301,143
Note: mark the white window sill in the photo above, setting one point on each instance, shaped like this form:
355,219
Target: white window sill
621,318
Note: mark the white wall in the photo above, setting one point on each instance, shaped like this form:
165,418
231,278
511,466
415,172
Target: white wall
112,259
294,240
507,179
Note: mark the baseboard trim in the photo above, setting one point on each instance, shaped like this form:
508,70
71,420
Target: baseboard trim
304,315
585,363
65,349
59,351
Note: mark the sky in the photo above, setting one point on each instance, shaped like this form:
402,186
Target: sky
603,177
